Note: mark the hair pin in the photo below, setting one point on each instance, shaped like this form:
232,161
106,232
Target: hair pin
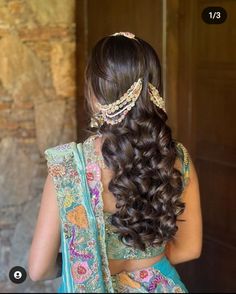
125,34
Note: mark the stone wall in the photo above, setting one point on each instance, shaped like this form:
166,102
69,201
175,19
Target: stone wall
37,111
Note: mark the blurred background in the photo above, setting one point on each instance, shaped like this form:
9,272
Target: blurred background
44,46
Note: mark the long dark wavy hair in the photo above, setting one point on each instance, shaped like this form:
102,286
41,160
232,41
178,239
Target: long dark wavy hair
140,149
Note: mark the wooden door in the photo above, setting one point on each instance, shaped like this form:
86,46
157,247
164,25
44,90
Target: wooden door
206,120
199,69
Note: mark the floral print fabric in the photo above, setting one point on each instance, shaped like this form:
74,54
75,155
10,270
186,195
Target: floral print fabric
75,170
159,278
85,266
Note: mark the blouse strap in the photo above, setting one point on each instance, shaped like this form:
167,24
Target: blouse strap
185,159
90,150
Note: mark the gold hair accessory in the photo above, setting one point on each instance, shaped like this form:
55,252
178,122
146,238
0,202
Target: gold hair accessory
115,112
125,34
121,106
93,123
155,97
96,121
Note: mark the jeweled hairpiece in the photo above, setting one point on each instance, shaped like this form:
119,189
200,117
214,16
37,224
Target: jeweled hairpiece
115,112
155,97
125,34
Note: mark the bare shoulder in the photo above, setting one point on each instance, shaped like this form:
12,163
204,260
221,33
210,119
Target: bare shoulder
178,164
49,190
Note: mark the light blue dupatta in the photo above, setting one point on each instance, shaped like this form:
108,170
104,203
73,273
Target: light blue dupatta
85,263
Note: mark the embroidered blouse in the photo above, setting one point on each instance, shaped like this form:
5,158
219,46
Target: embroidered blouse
115,248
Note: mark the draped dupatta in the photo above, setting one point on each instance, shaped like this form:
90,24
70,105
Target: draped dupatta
85,263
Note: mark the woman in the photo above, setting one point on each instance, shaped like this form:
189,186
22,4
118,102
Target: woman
123,205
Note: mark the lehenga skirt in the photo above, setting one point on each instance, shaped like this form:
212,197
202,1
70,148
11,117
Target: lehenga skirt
161,277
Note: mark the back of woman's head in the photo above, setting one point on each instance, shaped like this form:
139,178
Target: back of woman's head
139,149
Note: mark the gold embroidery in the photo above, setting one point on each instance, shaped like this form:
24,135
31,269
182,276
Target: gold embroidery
185,160
126,280
68,200
78,217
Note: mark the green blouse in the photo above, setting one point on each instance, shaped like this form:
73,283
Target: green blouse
118,250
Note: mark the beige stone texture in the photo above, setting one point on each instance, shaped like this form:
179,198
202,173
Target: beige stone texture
15,13
22,74
49,120
45,33
53,11
18,172
69,132
5,17
63,68
37,111
41,49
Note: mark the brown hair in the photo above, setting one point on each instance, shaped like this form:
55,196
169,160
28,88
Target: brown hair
140,149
